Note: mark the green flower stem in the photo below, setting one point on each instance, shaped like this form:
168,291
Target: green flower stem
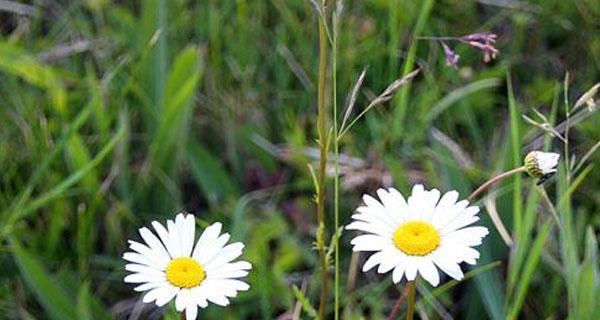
336,178
495,179
410,309
322,137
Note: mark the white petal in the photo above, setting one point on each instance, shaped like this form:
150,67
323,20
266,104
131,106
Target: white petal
182,299
229,253
199,296
218,299
133,267
209,236
471,236
431,201
228,287
219,274
162,295
443,218
138,258
445,205
375,210
393,206
369,242
186,227
214,295
164,237
463,219
150,285
375,221
230,270
415,205
447,265
371,228
398,273
546,161
211,249
158,261
411,268
154,294
391,258
174,238
373,260
373,203
428,271
191,311
400,202
421,203
154,243
463,254
141,278
164,299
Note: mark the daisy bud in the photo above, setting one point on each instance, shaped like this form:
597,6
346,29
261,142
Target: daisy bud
539,164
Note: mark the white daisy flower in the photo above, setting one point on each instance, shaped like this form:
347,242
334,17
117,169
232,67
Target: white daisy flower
539,164
417,235
169,266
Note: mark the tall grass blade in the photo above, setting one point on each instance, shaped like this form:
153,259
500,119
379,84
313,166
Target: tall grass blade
529,269
213,179
54,299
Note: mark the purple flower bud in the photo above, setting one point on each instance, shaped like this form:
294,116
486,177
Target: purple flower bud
489,52
484,37
451,56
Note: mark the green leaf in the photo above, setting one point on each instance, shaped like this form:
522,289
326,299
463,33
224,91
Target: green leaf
515,146
306,306
53,298
209,173
586,287
401,103
529,269
175,117
20,63
84,310
458,95
62,187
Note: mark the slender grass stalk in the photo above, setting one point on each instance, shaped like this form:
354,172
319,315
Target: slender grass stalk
495,179
410,309
566,140
570,257
336,179
323,144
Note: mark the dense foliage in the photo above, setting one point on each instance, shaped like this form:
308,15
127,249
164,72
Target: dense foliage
117,113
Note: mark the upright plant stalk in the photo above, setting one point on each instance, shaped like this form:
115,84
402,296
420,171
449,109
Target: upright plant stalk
336,179
410,309
323,143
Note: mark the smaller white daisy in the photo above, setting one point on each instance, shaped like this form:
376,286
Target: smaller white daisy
170,266
539,164
417,235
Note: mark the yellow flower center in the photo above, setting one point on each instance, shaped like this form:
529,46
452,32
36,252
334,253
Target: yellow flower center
185,272
416,238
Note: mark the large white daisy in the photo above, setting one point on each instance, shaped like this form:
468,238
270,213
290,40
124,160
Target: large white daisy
417,235
170,266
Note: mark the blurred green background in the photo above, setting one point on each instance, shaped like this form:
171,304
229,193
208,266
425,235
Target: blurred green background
117,113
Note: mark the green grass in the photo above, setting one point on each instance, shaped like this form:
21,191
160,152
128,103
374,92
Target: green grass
210,107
